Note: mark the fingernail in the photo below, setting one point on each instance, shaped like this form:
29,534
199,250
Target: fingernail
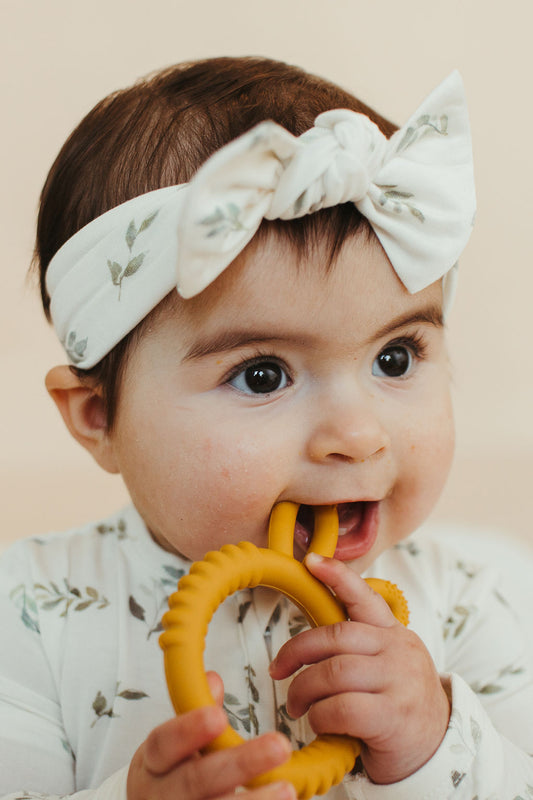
280,746
313,559
283,790
273,669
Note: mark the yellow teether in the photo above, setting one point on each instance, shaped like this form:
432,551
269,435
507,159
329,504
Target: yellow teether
325,761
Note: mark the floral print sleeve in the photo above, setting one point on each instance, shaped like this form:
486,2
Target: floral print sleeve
76,621
487,752
28,700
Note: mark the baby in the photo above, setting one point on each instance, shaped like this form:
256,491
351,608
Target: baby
303,357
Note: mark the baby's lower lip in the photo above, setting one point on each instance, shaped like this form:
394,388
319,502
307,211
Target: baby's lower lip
358,529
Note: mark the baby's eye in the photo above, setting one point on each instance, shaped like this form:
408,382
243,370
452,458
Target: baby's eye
260,377
394,361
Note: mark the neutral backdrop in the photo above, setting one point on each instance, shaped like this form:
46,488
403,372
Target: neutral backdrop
59,57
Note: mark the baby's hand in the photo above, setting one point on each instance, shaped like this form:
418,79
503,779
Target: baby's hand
370,678
168,764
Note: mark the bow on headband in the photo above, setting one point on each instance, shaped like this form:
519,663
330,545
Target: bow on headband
416,189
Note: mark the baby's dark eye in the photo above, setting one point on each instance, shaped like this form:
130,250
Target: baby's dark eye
394,361
261,377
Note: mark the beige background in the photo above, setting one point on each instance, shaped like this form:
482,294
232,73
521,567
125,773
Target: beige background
61,56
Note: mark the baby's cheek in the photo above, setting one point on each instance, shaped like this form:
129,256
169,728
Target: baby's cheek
432,457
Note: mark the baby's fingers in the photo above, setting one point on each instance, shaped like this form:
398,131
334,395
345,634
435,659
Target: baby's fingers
216,687
340,675
181,737
362,603
218,774
326,642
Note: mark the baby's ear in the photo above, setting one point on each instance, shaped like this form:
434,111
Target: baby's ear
84,414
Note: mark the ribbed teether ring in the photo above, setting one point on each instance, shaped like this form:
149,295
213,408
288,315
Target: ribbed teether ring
323,762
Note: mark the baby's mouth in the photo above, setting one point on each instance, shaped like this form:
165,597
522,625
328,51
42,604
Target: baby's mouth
358,528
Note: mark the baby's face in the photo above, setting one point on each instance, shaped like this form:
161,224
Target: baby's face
286,382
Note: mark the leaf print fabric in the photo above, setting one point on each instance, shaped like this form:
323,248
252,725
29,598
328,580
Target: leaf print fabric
102,708
134,262
82,684
155,598
75,347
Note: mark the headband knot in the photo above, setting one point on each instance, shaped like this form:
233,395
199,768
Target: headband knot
334,162
416,190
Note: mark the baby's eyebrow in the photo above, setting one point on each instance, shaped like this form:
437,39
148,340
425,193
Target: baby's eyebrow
232,339
430,315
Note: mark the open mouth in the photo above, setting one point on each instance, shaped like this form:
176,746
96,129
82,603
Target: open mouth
358,528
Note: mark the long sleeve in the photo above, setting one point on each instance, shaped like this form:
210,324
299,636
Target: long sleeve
81,673
472,631
113,788
474,760
33,742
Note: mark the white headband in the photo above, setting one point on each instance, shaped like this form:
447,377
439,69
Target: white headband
416,189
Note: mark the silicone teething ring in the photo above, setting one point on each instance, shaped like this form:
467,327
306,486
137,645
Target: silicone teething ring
325,761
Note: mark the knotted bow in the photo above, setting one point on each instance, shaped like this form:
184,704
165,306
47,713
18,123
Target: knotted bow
416,189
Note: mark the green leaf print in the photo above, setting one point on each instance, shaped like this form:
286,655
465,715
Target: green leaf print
147,222
75,347
283,726
174,574
120,529
240,717
457,777
467,569
276,614
151,610
297,624
214,218
410,547
495,686
117,271
131,234
489,688
51,597
416,213
99,704
243,610
27,606
399,201
133,265
250,674
253,719
223,220
457,620
245,716
475,729
102,708
129,694
136,609
65,745
424,125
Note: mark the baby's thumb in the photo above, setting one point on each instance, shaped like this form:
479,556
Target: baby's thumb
216,686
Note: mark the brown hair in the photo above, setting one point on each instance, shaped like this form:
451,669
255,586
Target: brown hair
157,133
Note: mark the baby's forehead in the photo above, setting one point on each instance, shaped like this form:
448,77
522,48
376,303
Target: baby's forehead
274,290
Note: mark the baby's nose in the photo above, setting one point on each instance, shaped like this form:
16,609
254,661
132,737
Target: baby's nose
347,428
